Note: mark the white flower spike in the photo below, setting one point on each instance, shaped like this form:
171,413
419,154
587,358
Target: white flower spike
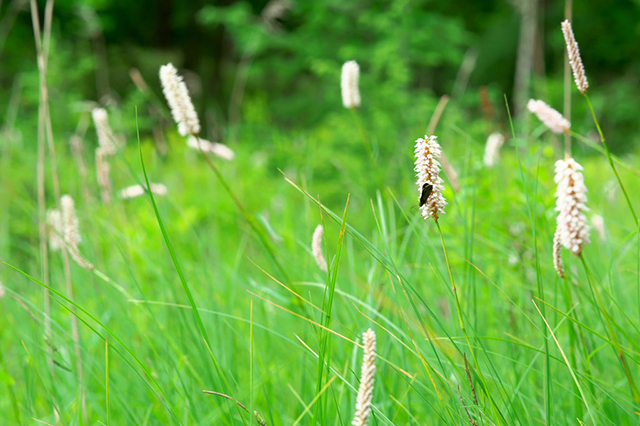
316,248
571,198
430,184
367,376
492,149
177,95
349,85
574,57
549,116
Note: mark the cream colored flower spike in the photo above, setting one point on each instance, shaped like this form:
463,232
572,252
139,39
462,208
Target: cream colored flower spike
574,57
177,95
430,184
103,131
549,116
349,84
365,391
571,198
316,247
492,149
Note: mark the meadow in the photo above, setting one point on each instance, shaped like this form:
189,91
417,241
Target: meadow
207,305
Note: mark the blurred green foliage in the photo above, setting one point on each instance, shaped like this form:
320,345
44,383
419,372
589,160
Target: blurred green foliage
279,62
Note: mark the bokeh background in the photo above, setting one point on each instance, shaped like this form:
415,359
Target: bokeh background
277,63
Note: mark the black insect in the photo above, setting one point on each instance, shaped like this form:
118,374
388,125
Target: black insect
426,192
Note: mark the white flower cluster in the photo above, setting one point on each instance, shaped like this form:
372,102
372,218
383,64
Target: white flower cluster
427,168
367,375
215,148
182,110
571,198
492,149
549,116
574,57
138,190
349,85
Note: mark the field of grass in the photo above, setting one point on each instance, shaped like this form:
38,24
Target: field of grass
214,287
283,337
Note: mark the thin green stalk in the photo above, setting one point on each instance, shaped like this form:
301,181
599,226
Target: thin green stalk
147,377
572,340
547,377
459,309
106,378
453,283
573,374
615,345
254,225
363,136
324,355
611,163
183,280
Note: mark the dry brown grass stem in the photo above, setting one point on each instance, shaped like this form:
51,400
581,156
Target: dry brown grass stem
257,416
45,139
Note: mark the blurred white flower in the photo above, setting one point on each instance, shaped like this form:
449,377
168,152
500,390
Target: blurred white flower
103,131
177,95
598,224
138,190
349,84
492,149
103,174
215,148
316,248
71,231
549,116
54,227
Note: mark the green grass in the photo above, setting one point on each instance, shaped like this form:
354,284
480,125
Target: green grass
225,295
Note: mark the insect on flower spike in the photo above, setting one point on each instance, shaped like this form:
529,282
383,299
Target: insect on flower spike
430,184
